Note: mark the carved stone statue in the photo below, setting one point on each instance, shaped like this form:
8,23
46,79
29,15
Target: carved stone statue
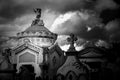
38,20
38,12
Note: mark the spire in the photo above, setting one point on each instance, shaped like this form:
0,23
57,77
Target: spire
38,21
71,40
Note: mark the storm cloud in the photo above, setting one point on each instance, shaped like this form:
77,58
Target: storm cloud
16,15
10,9
78,23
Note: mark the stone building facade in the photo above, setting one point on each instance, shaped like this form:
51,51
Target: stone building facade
37,52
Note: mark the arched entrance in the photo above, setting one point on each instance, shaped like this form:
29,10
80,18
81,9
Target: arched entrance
26,72
27,58
29,67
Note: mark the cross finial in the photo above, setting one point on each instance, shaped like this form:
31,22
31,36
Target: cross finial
71,40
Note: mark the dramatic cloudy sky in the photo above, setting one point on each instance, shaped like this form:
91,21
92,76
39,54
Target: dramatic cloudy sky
88,19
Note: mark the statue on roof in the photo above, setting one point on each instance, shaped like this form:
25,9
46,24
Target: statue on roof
37,20
38,12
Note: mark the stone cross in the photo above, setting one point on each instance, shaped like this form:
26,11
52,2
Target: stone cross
71,40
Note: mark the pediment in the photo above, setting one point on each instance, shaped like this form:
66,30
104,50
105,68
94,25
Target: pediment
71,64
27,46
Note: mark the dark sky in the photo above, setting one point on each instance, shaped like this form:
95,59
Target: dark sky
16,15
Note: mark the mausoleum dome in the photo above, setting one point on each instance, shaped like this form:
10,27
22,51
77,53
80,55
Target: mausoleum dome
38,34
